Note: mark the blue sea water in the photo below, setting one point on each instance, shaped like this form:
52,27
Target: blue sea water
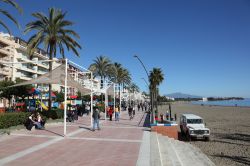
243,103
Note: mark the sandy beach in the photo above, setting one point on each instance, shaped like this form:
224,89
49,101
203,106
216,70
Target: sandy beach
230,132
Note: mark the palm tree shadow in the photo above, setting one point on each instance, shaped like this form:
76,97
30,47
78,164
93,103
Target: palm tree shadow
234,137
228,142
238,159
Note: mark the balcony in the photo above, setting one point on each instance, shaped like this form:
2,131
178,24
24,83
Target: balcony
5,72
41,72
5,51
26,78
27,69
42,64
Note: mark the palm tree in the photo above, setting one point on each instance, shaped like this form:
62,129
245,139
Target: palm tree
52,31
100,68
119,75
132,88
7,14
156,77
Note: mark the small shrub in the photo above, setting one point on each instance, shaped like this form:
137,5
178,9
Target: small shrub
13,119
53,114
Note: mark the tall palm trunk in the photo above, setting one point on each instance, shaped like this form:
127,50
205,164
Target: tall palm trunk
102,82
156,98
50,69
152,105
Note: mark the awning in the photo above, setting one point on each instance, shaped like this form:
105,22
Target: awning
20,104
73,97
57,76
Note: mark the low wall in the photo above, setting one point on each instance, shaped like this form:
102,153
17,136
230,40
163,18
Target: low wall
2,109
170,130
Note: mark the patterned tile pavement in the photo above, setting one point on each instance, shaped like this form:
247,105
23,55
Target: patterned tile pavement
117,143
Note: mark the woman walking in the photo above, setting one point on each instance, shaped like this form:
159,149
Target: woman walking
117,113
110,113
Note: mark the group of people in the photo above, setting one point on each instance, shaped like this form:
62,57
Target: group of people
110,112
35,119
142,106
96,116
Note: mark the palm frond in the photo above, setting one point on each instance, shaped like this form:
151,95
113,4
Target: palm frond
10,17
14,4
5,26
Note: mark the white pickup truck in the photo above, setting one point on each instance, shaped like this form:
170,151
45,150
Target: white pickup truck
193,127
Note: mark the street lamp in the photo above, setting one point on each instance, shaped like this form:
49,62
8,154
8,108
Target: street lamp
145,81
151,102
142,65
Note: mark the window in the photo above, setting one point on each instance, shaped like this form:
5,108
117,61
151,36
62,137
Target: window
194,121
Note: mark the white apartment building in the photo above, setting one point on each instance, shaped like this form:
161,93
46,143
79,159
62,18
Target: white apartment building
14,49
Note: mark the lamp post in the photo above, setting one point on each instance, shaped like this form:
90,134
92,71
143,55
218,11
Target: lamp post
151,102
145,81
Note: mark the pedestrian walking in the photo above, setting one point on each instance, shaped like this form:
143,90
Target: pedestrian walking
96,117
87,108
110,113
117,113
130,111
161,115
167,115
133,112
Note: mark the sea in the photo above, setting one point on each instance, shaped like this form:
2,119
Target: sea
240,103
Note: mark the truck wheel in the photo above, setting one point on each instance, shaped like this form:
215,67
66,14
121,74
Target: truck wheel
189,138
207,139
182,133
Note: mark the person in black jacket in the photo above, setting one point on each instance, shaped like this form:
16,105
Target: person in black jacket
96,117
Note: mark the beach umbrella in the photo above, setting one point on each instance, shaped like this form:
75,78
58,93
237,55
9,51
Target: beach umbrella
52,95
34,91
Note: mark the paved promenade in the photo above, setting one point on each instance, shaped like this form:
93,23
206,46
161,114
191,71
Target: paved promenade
116,144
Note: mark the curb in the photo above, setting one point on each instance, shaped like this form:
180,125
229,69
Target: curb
159,124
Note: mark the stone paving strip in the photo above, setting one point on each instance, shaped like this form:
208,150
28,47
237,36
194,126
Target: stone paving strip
105,139
37,135
35,148
144,154
79,128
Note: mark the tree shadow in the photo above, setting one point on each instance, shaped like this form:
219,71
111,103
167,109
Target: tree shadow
146,122
234,137
231,143
238,159
78,123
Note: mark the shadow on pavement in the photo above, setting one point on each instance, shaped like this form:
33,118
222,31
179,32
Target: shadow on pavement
234,137
146,121
87,128
53,132
227,142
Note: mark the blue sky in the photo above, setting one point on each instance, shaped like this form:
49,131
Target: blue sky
202,46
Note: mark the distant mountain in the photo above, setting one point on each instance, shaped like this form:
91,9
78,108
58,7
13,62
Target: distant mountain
181,95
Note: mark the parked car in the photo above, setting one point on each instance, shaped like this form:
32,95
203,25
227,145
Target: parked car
192,126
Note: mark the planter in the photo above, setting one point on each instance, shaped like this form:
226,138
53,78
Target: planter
169,130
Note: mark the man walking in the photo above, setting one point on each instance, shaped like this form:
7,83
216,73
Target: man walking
96,116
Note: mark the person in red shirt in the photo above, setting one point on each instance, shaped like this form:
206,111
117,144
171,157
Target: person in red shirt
110,113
